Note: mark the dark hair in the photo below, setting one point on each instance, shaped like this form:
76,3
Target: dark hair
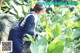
37,8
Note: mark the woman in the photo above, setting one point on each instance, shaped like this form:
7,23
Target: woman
25,26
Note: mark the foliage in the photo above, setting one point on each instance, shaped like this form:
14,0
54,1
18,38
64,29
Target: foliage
61,26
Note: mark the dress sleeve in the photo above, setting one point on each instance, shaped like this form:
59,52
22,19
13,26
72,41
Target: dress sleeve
29,25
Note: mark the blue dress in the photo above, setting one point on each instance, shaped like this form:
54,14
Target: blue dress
17,33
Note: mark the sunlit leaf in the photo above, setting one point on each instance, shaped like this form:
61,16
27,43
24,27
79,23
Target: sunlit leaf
69,23
56,46
49,34
76,25
68,32
44,23
65,16
31,39
57,30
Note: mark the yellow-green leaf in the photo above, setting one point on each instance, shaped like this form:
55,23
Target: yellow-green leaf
57,30
56,46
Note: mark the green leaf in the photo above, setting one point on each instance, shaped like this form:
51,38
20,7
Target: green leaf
76,33
49,34
68,42
44,23
69,23
42,41
34,48
18,2
42,49
68,32
76,36
31,39
43,17
56,46
57,30
7,2
55,18
39,46
76,25
64,17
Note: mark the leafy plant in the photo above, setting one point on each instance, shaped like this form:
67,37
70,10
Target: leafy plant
62,26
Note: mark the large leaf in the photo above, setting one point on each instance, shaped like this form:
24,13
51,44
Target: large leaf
76,25
49,34
57,30
39,46
56,46
76,36
55,18
68,32
69,23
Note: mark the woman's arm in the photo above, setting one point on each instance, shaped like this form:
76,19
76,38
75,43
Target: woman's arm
29,24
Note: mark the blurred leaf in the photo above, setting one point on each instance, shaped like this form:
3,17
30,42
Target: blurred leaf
55,18
42,41
69,23
76,25
7,1
31,39
40,46
76,36
76,33
57,30
68,42
44,23
24,9
49,32
18,2
43,17
34,48
68,32
65,16
5,9
60,21
78,3
56,46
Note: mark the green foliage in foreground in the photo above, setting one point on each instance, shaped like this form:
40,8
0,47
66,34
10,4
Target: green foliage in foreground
56,46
